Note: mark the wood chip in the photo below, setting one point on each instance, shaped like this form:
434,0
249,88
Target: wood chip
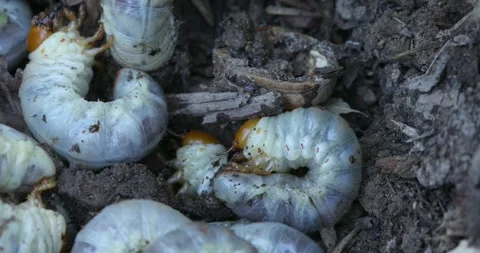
224,106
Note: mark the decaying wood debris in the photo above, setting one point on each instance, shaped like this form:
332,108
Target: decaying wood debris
304,72
229,105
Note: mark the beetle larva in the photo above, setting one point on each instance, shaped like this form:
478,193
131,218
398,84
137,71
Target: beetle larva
305,137
22,162
128,226
144,31
30,228
92,133
202,238
15,19
197,162
269,237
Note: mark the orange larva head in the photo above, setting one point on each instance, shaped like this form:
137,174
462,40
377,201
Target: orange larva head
36,36
243,132
44,24
198,137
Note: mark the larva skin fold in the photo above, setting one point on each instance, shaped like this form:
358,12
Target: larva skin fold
15,16
29,227
200,237
197,164
22,162
144,32
93,134
127,226
269,237
305,137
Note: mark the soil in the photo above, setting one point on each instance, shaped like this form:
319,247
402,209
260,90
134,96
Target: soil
410,65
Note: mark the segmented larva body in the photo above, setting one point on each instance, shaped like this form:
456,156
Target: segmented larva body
144,32
128,226
201,238
22,162
94,134
140,225
197,162
314,138
29,228
276,237
15,19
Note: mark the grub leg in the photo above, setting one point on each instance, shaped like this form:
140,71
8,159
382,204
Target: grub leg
97,36
81,14
75,21
175,178
44,185
102,48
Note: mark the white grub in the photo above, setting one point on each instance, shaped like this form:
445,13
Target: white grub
128,226
200,237
144,32
15,19
270,237
22,162
30,228
196,166
305,137
140,225
94,134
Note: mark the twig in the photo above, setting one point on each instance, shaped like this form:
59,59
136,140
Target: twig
284,11
343,243
206,10
413,51
231,105
449,32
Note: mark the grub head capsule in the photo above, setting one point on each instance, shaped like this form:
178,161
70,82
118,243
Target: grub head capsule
144,32
43,26
36,36
198,137
241,136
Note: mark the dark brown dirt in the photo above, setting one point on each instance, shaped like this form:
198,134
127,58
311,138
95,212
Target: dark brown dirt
405,64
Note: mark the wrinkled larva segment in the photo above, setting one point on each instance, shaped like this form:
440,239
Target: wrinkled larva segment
197,165
91,133
22,162
271,237
144,32
28,228
127,226
314,138
200,237
15,17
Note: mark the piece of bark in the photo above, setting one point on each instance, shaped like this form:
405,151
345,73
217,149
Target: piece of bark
224,106
304,73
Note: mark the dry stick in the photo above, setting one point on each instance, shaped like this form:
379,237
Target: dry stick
449,33
295,3
206,10
284,11
437,55
345,240
442,34
234,105
413,51
170,132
